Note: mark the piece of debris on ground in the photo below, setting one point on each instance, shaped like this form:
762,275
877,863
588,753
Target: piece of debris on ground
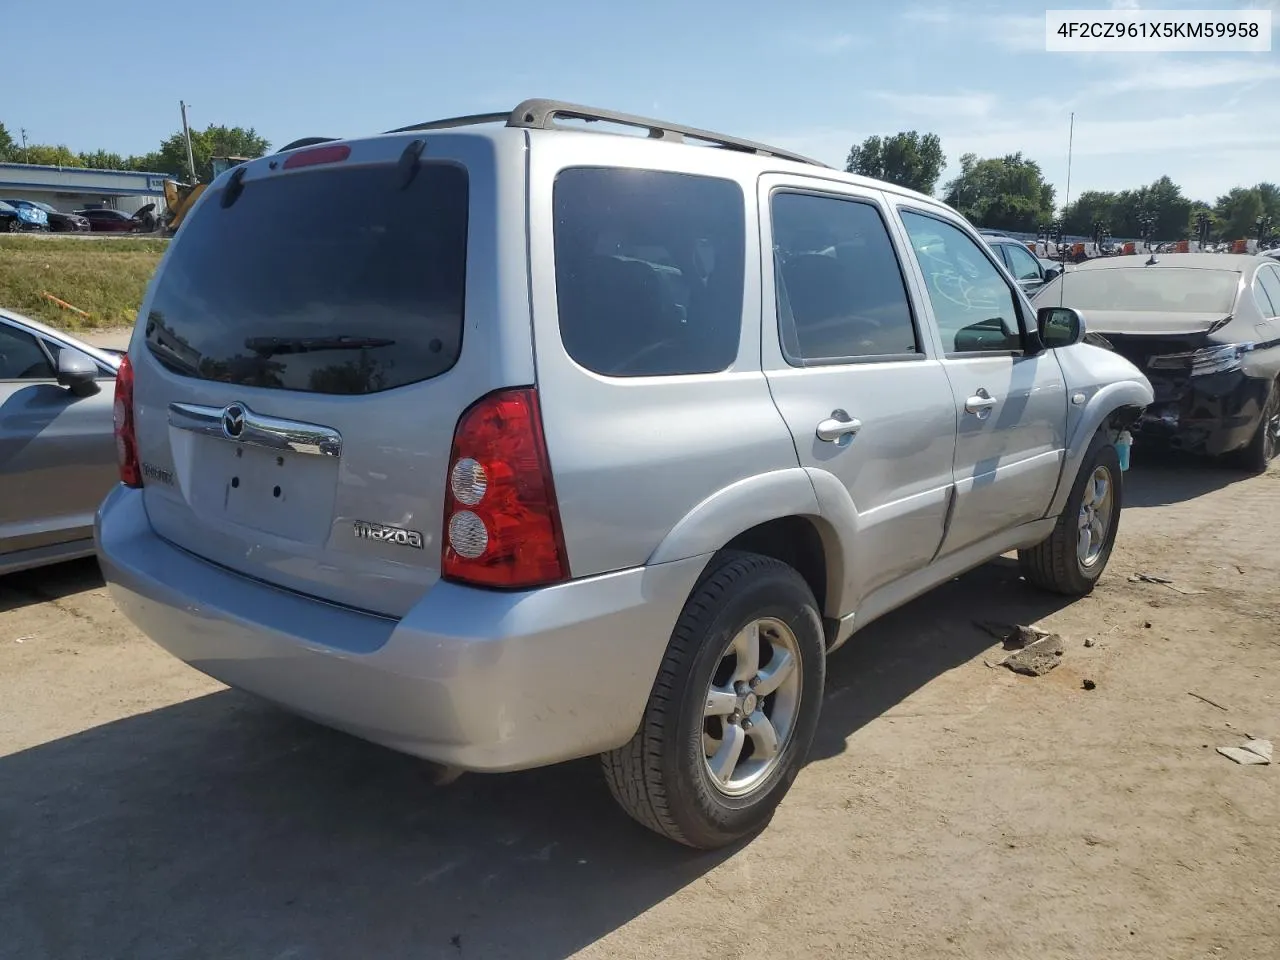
1088,685
1037,658
1164,582
1212,703
1013,636
1090,641
1250,753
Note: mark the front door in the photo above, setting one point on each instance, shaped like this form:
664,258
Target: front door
866,399
57,450
1025,268
1012,402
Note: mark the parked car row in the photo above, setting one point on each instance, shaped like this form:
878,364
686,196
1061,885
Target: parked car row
17,215
635,520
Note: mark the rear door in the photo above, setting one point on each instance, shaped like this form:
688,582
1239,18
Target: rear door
1012,403
313,335
57,451
852,371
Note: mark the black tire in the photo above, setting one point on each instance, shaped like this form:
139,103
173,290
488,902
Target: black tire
13,226
1262,449
1055,563
661,777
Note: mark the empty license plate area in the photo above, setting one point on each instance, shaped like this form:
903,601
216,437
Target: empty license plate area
279,492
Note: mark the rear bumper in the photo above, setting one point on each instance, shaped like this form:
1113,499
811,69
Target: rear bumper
1212,415
476,679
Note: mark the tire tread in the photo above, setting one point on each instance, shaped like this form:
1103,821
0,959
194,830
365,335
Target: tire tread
633,772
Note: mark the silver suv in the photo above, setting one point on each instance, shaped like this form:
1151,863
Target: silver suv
501,443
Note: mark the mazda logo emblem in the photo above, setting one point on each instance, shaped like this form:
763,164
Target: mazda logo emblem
233,421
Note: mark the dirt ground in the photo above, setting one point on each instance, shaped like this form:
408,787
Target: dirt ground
951,809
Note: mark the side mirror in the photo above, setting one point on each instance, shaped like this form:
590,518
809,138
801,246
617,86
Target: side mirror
77,372
1052,273
1060,326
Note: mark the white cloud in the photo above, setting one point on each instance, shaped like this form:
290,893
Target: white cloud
938,106
1011,31
829,44
1189,75
935,15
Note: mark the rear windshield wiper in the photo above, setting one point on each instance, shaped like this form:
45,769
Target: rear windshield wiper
273,346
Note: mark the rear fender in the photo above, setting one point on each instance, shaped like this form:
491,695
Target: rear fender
748,503
736,508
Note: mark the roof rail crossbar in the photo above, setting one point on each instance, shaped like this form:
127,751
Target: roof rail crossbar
467,121
542,115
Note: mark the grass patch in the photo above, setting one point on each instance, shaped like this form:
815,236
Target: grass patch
105,277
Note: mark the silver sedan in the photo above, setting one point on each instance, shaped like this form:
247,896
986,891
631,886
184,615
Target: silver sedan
57,448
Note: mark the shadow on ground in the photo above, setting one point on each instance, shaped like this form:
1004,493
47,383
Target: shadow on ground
55,582
220,827
1160,478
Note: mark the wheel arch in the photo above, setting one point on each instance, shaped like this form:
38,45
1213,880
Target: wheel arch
775,514
1124,400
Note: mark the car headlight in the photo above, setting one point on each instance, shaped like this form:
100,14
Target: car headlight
1204,361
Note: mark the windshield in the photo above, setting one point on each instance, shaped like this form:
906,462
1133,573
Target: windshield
4,207
283,289
1147,289
43,206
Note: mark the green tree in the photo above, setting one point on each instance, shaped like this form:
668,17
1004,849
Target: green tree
1005,193
1238,212
907,159
102,160
52,156
213,141
1269,194
1079,216
8,149
1193,220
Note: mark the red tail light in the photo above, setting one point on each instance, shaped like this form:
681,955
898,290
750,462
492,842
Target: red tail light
501,524
309,158
126,438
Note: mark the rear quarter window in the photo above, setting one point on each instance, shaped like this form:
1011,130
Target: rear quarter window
333,280
649,270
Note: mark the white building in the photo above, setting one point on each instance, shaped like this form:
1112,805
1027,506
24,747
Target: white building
74,188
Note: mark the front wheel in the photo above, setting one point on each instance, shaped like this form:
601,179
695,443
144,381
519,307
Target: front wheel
733,710
1071,559
13,226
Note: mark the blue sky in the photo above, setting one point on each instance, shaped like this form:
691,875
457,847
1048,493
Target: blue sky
813,76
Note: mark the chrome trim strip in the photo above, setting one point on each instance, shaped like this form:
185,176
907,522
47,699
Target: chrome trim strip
256,429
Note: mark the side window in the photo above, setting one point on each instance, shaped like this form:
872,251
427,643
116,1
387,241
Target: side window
21,357
649,270
1022,264
1266,285
841,293
975,308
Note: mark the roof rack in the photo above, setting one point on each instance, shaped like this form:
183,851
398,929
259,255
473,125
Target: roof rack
542,115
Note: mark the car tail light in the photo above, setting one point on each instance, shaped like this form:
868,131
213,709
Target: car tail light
501,523
126,437
309,158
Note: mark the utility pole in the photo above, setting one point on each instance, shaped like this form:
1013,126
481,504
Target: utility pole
186,132
22,131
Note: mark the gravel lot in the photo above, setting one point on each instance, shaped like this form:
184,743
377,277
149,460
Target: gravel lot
952,809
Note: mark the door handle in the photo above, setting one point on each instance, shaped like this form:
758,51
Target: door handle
838,427
980,404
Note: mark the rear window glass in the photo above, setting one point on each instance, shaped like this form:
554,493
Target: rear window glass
332,280
1156,289
649,269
